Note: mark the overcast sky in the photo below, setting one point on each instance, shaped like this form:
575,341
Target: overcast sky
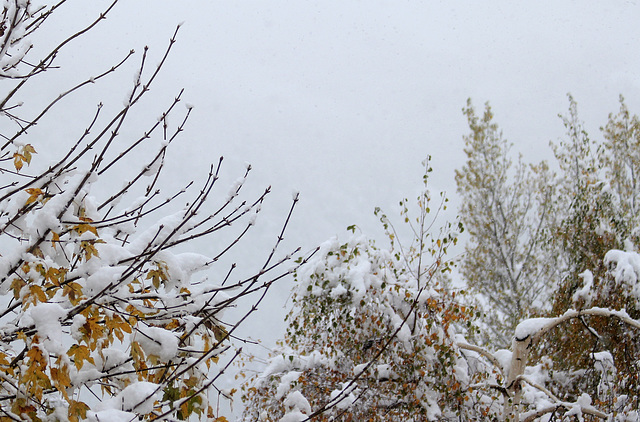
342,100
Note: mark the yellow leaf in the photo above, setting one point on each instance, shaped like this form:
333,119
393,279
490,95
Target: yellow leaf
17,161
55,238
74,291
56,275
89,248
93,330
77,411
16,285
156,277
80,353
136,351
34,194
60,378
117,325
27,150
36,294
83,228
175,323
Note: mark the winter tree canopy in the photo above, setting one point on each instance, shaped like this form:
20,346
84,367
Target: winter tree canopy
110,311
106,316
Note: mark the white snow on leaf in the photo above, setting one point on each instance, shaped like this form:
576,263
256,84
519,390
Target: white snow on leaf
78,321
46,317
181,266
294,416
296,401
358,369
384,372
584,293
338,291
346,398
625,267
111,415
285,383
111,358
101,278
157,341
605,360
504,357
138,397
583,402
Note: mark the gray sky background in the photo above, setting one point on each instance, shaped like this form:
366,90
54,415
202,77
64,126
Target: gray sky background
341,100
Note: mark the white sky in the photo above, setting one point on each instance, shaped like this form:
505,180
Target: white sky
343,99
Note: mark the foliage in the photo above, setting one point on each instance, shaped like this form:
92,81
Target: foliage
103,318
595,213
372,334
505,208
621,159
586,347
371,337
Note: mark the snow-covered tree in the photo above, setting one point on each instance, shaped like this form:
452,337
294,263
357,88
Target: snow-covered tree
621,161
583,355
594,218
371,336
363,341
505,208
103,318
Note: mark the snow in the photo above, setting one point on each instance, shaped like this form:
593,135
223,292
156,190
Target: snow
297,402
78,321
101,278
529,327
111,358
625,267
285,383
111,415
584,293
583,402
157,341
605,360
504,357
383,40
46,317
138,397
294,416
180,267
384,372
346,398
